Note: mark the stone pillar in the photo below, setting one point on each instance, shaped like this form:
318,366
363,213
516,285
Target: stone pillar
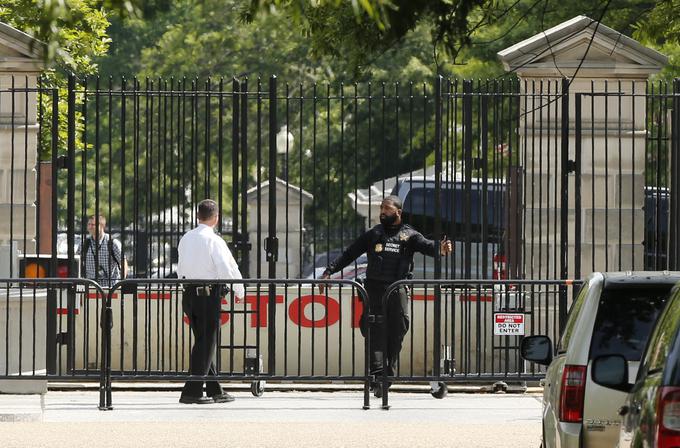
289,227
595,59
21,63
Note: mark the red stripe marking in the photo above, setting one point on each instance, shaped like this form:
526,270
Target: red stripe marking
154,296
64,311
95,295
475,298
141,295
427,297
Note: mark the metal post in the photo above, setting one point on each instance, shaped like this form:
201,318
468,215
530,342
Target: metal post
70,194
70,328
235,140
564,203
437,224
577,187
51,324
483,200
245,249
674,225
467,160
271,243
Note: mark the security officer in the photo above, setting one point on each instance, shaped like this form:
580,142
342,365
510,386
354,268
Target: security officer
390,247
204,255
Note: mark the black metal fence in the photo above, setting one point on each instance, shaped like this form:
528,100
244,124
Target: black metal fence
51,330
518,174
531,180
470,330
281,330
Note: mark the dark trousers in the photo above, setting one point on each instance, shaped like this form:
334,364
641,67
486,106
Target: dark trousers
204,319
385,338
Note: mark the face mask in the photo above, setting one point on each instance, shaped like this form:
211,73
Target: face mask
388,220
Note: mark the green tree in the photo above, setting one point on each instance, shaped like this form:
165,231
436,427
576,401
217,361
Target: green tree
661,30
74,31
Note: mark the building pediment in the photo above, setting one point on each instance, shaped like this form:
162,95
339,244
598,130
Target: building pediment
580,43
19,51
283,188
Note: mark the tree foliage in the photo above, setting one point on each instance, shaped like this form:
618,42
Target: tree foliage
74,31
660,28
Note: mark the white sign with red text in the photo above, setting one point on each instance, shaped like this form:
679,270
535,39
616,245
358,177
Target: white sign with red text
508,324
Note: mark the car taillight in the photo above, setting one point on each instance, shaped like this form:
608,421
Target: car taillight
571,394
668,418
500,267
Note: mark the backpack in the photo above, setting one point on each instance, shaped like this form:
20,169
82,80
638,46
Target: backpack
88,243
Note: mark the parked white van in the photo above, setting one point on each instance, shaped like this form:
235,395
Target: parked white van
614,313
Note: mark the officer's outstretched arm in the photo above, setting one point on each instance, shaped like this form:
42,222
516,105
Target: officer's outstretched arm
358,247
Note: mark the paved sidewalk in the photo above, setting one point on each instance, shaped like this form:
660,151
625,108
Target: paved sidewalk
281,419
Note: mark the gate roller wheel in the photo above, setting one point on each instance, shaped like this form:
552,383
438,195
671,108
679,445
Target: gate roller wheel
257,388
441,392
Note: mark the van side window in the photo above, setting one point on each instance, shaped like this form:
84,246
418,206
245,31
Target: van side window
573,317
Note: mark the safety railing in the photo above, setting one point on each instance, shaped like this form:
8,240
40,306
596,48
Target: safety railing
43,338
469,330
69,329
281,330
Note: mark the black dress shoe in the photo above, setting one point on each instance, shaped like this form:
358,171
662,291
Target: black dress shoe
196,400
222,398
377,390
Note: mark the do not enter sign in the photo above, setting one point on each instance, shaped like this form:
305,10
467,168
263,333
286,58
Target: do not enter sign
508,324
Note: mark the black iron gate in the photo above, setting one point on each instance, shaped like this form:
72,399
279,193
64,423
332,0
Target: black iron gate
298,171
504,168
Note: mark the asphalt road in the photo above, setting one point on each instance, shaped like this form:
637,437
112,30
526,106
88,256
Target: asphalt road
280,419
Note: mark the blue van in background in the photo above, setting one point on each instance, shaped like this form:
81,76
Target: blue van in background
473,221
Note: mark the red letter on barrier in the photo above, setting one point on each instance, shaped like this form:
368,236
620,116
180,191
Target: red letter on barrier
296,311
358,309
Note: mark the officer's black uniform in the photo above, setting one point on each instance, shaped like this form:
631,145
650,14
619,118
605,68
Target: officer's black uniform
390,252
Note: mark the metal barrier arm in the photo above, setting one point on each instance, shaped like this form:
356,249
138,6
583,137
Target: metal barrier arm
451,284
130,285
51,329
37,282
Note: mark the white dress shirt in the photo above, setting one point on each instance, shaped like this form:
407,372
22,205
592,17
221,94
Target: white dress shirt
205,255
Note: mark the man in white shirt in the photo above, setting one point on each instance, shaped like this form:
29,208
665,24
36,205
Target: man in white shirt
205,255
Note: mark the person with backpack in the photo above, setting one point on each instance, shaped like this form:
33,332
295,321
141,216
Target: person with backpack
389,247
101,255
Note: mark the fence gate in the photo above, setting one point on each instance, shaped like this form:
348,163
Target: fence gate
626,148
531,180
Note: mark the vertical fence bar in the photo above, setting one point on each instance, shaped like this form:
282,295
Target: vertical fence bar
674,224
245,250
437,224
482,210
71,189
272,242
577,186
51,303
467,163
235,140
564,206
